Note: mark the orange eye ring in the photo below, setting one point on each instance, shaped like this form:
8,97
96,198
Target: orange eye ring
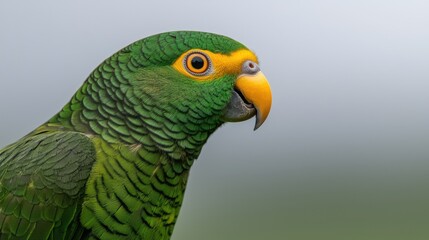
197,63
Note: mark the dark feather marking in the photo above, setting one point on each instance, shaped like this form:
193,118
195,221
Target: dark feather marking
142,217
123,204
108,171
133,184
160,191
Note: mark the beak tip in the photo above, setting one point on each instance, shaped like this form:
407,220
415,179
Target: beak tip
257,125
259,121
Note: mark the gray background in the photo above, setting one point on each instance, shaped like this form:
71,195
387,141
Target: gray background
344,153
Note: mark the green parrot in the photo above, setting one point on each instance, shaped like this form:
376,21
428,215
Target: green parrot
113,163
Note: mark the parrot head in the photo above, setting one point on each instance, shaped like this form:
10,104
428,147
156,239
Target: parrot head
208,77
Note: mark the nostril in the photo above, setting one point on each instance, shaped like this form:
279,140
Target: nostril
250,67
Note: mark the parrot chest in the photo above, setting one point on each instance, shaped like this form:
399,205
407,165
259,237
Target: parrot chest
132,193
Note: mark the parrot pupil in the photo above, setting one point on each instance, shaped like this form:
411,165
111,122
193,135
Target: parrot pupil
197,62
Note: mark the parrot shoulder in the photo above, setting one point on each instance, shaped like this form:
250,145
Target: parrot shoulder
42,183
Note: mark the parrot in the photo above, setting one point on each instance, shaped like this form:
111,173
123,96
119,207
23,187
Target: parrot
114,162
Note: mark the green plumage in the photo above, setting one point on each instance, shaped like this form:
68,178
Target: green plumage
114,162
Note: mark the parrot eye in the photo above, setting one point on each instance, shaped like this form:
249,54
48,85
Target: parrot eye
197,64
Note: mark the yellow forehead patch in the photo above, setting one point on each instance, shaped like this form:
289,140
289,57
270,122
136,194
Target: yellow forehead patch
221,64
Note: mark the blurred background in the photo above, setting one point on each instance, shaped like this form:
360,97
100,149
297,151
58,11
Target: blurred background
344,154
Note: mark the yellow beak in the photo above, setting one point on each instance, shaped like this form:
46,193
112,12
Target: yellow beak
256,90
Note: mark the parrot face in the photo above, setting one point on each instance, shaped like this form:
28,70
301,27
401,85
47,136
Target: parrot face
212,79
238,74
